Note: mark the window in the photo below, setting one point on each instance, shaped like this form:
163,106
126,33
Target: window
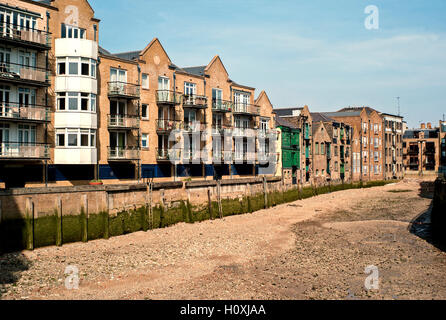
85,135
145,140
144,112
73,101
84,101
61,68
61,101
76,101
316,149
73,68
322,149
87,66
72,139
85,138
72,32
60,140
190,88
145,81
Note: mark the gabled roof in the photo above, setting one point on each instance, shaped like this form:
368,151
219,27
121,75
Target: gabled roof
343,114
317,117
198,71
214,59
286,112
131,55
284,123
154,40
263,93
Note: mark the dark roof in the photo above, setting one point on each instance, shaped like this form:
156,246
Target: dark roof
104,52
317,117
356,109
428,133
283,112
342,114
198,71
284,123
131,55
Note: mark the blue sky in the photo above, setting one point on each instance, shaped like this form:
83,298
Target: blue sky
314,52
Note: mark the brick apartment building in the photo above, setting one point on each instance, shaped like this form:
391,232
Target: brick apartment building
288,147
325,145
424,149
72,111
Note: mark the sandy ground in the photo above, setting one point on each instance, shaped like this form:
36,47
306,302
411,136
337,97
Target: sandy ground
316,248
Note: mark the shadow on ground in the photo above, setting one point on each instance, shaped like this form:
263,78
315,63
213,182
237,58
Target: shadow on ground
11,267
421,226
427,189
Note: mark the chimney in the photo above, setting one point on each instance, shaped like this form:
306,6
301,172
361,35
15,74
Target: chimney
423,126
429,125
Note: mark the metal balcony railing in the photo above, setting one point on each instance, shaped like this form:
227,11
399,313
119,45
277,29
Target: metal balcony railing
194,126
245,108
123,90
168,97
168,154
14,71
220,129
123,121
123,153
168,125
222,105
11,31
17,111
221,156
244,156
21,150
195,101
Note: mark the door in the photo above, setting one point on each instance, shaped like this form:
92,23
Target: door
118,111
5,110
217,96
190,117
118,79
117,144
5,59
163,89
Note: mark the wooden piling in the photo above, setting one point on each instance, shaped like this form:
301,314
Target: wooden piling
265,193
84,217
29,213
59,238
211,215
107,217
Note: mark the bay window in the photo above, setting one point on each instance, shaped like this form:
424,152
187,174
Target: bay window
77,101
75,138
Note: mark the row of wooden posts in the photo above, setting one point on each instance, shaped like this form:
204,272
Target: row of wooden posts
30,212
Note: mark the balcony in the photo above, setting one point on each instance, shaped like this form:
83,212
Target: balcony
219,156
168,155
23,74
23,151
244,157
123,153
190,156
117,121
222,106
19,112
194,101
220,129
244,132
168,125
194,126
247,109
25,37
117,89
168,97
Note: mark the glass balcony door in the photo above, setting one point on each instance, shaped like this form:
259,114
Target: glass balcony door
163,87
118,143
4,139
4,101
5,59
118,111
